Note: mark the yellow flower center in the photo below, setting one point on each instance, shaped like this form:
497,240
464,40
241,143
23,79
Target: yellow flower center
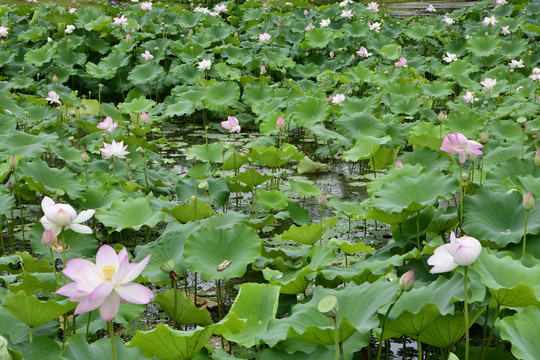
108,271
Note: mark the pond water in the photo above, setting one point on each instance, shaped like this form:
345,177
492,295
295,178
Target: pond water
414,8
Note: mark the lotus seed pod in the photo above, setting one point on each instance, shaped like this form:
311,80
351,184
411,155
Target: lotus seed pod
328,306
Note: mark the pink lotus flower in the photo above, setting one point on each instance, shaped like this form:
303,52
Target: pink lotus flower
448,20
504,30
399,164
280,123
347,14
147,56
460,251
114,150
231,124
490,21
516,64
53,97
401,63
265,38
373,6
488,83
338,99
363,52
72,10
128,37
120,21
305,12
58,217
331,54
107,124
431,8
458,144
309,27
469,97
146,6
221,8
106,283
144,117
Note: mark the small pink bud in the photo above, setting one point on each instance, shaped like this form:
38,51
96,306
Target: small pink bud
85,156
406,281
280,24
263,69
322,199
331,54
399,165
55,78
484,138
305,12
13,162
48,239
144,117
10,185
280,123
128,37
442,116
528,201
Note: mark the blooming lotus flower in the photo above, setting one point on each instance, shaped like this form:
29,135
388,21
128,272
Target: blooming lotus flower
347,14
449,57
363,52
146,5
345,3
53,97
60,217
205,65
265,38
280,123
106,283
431,8
448,20
490,21
324,23
501,2
221,8
516,64
107,124
469,97
114,150
488,83
460,251
200,9
458,144
231,124
72,10
376,26
147,56
338,99
401,63
535,76
120,21
373,6
69,29
504,30
309,27
4,31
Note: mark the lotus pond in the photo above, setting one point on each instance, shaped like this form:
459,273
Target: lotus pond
269,181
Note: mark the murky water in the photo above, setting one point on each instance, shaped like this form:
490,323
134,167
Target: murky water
408,9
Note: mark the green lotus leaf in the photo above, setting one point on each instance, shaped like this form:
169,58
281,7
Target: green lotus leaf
447,330
69,58
133,213
195,209
319,38
255,93
78,348
167,252
147,74
42,179
272,199
273,157
498,178
34,312
360,124
251,178
393,175
308,234
32,34
43,348
426,134
97,73
393,218
137,105
522,332
186,311
219,191
40,56
514,47
351,248
470,124
27,145
206,152
483,45
35,282
256,304
240,245
310,111
305,189
99,196
180,107
289,281
437,89
383,158
390,51
220,96
509,282
505,220
7,202
308,166
364,148
414,194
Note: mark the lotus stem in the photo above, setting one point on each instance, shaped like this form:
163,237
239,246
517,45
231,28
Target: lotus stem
195,185
321,223
31,333
210,204
22,215
336,336
349,231
88,323
418,230
525,232
195,289
2,236
220,310
175,312
53,265
111,335
482,169
461,193
379,350
484,331
64,255
419,346
11,235
482,355
74,324
466,316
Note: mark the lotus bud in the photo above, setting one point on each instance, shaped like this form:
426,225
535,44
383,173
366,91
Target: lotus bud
528,201
280,24
13,161
329,306
331,54
85,156
322,199
305,12
236,34
167,267
399,165
55,78
48,239
263,69
280,123
406,281
111,166
10,185
144,117
442,116
484,138
283,70
537,157
128,37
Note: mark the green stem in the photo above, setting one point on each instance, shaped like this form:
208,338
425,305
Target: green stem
481,170
336,336
2,236
64,255
525,232
320,240
88,323
173,285
74,324
111,335
11,235
53,265
22,217
466,317
418,230
195,289
419,345
491,330
384,323
484,332
31,334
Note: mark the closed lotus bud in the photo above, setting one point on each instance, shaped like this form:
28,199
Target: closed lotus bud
48,239
283,70
13,162
144,117
399,165
528,201
263,69
537,157
328,306
10,185
322,199
128,37
406,281
331,54
280,123
484,138
55,78
442,116
85,156
305,12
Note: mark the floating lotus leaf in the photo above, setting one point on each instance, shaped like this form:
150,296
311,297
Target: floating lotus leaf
360,124
220,96
78,348
305,189
310,111
132,213
496,179
147,74
40,56
273,157
137,105
240,245
522,331
308,234
186,311
206,152
34,282
272,199
180,107
509,282
505,220
364,148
